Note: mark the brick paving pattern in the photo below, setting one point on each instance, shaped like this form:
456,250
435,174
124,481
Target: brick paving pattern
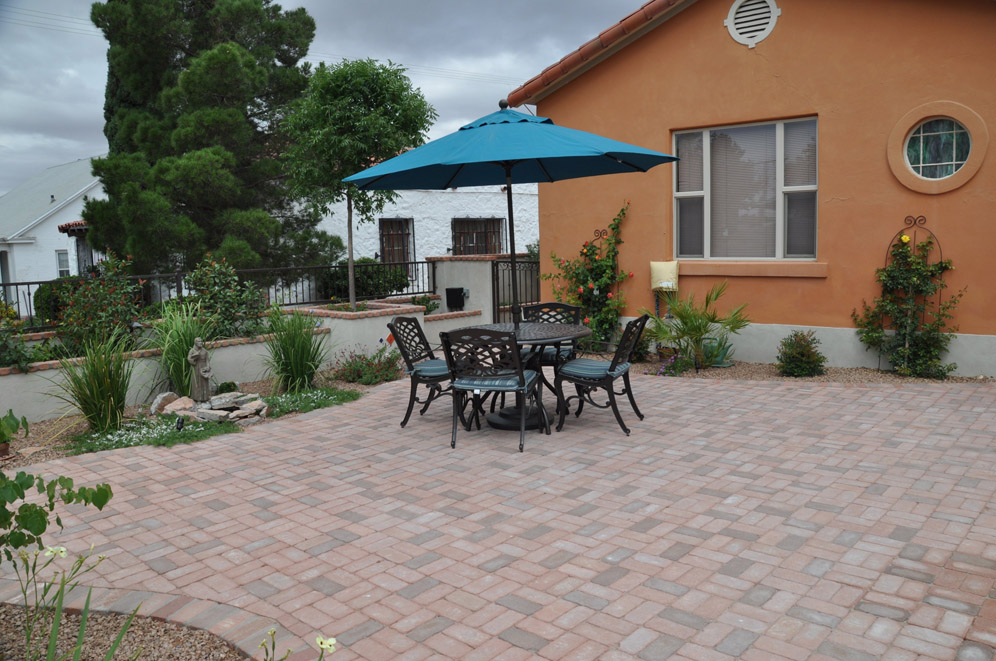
753,520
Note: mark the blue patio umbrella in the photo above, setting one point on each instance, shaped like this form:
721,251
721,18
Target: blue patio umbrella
507,147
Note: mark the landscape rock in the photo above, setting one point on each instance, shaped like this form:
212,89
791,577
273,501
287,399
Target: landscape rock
181,404
238,414
245,399
225,400
212,416
255,406
248,422
161,401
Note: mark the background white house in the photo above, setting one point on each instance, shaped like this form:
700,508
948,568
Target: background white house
31,246
436,223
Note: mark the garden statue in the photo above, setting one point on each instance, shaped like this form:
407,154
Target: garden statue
200,379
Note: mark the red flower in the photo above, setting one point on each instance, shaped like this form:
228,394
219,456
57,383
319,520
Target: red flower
586,320
591,285
609,295
580,289
586,244
631,274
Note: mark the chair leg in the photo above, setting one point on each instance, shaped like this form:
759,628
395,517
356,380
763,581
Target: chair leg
411,402
457,412
434,392
615,408
522,423
561,402
542,410
629,393
577,386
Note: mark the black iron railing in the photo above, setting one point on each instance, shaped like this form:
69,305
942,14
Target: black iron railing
33,300
527,275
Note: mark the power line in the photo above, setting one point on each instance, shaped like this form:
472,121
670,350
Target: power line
33,13
11,21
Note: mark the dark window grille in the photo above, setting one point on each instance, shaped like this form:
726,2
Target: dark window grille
397,245
478,236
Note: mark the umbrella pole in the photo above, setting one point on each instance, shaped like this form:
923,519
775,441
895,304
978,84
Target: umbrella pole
516,313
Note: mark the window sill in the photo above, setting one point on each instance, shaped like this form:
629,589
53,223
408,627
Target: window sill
754,269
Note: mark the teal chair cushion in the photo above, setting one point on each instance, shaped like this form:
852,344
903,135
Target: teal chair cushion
587,368
432,368
504,383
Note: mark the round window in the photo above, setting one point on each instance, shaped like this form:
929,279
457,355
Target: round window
937,148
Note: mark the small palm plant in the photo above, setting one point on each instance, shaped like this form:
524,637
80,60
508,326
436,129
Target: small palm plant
296,352
690,329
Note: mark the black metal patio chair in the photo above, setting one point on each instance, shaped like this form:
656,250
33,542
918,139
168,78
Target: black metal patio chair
420,362
589,375
553,313
483,362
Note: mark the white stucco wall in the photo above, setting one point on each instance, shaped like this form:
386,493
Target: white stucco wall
432,212
32,256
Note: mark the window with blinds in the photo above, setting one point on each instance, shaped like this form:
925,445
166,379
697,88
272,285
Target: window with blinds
751,194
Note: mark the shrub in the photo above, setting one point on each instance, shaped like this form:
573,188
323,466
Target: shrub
97,383
373,279
48,298
7,312
673,365
100,306
798,355
296,352
355,367
14,350
174,334
903,324
226,386
698,333
429,303
589,280
302,402
236,305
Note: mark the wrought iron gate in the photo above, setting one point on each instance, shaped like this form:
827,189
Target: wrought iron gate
501,286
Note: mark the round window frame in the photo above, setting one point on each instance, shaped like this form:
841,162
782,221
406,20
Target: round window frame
896,147
759,37
958,166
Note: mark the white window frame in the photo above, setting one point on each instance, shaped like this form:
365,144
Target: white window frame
58,266
780,191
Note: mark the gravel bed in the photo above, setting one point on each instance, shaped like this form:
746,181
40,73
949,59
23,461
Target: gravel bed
171,642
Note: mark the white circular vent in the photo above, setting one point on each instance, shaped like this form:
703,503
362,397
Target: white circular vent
750,21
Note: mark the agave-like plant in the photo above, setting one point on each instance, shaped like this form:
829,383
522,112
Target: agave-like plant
688,325
174,334
296,352
97,383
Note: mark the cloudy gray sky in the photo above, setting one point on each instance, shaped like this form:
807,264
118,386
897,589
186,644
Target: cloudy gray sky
463,54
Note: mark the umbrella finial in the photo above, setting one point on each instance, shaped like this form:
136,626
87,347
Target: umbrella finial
503,104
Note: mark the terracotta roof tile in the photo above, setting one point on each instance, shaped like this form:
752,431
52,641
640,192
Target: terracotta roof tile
71,225
577,60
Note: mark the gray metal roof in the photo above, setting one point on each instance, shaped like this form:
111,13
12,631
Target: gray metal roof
31,202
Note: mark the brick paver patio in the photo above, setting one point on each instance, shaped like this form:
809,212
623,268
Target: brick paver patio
756,520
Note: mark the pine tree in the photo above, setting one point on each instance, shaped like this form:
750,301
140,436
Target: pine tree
196,92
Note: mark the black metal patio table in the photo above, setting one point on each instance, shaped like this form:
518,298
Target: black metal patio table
537,335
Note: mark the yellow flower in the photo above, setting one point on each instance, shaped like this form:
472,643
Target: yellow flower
326,643
56,550
904,238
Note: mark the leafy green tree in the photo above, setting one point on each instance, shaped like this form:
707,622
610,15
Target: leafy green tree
354,114
196,91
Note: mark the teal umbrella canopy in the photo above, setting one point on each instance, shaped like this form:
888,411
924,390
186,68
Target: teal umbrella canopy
507,147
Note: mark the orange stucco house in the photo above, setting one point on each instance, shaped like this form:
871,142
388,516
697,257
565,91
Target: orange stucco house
808,131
